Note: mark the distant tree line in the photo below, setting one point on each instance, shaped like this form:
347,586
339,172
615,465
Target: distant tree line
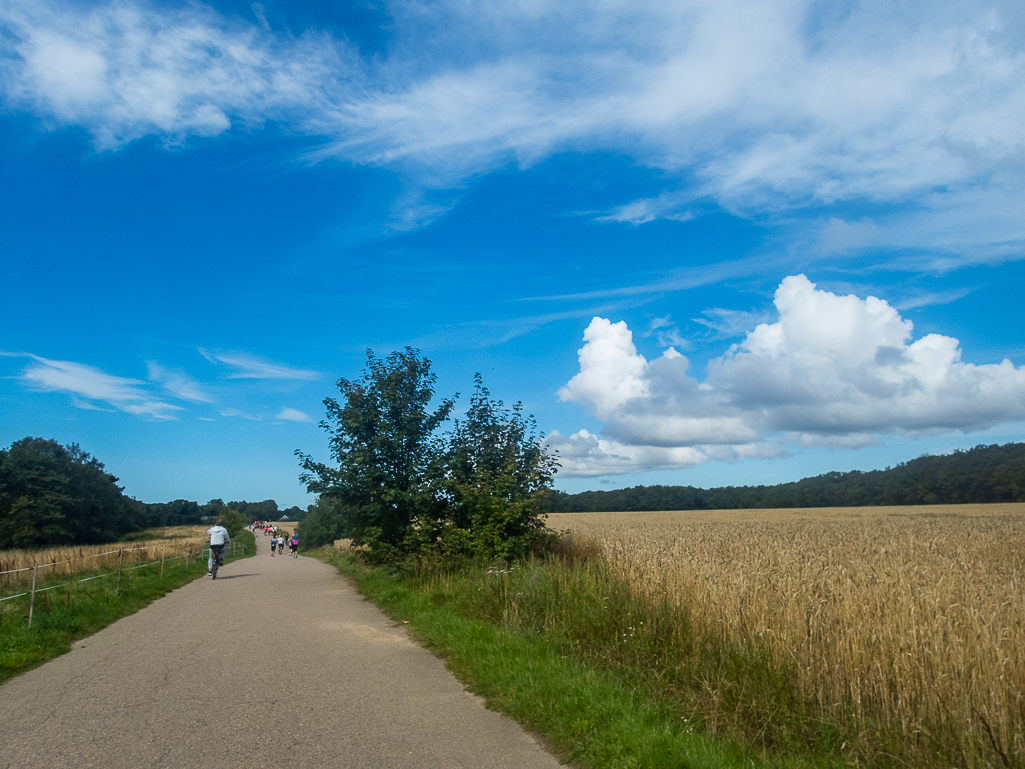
60,495
979,475
403,488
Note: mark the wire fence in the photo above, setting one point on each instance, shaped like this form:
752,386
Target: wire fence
233,549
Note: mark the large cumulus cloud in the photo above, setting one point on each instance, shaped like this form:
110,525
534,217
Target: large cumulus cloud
832,370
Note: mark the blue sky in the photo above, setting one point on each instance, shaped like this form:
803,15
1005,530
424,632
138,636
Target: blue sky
704,243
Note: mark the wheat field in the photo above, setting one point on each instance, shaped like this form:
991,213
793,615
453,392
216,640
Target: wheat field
170,542
907,621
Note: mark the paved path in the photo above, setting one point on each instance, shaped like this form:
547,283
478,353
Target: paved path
302,673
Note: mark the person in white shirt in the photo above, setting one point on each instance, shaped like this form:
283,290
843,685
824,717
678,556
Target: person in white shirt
218,539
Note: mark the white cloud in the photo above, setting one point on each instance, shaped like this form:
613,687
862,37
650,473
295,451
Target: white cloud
294,415
832,371
231,412
758,105
251,367
836,365
839,236
126,70
583,454
642,403
664,206
90,385
728,323
178,384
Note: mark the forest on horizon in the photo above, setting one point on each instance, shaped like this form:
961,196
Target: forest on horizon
980,475
53,494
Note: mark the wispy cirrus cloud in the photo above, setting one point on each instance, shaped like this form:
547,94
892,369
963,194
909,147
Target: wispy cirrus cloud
293,415
91,386
178,383
249,366
759,107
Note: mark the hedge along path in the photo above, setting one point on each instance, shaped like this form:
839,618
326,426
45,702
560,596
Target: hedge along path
278,662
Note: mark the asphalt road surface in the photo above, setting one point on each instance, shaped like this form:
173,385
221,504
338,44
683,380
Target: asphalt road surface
276,663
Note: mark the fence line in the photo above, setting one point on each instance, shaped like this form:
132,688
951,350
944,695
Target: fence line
232,549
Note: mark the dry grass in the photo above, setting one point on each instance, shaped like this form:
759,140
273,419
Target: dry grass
908,622
169,542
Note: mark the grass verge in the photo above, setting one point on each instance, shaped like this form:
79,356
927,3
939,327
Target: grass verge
58,622
606,704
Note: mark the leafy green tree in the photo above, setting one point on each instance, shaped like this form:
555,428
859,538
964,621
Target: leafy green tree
232,520
498,475
322,524
383,438
52,494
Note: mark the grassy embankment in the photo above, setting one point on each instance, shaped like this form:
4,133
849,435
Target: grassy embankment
561,647
777,639
61,617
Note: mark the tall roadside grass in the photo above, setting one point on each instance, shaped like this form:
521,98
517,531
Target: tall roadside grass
565,648
874,639
92,600
900,633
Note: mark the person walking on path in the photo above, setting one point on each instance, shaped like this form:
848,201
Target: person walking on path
218,539
273,547
293,545
281,544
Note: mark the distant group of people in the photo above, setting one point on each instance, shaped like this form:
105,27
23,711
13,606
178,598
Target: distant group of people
219,540
277,539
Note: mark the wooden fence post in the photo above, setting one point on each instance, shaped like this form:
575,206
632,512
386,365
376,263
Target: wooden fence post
69,580
162,544
32,597
120,560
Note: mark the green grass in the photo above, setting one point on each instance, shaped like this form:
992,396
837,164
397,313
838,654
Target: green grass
94,605
609,683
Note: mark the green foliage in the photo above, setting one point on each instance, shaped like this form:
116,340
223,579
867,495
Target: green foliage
52,495
233,521
983,474
322,524
257,511
497,475
180,512
383,440
560,646
58,495
401,490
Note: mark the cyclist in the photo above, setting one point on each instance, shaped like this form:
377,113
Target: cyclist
218,539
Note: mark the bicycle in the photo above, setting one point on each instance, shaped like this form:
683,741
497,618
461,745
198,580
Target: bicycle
217,559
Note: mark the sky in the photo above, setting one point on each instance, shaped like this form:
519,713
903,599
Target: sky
704,243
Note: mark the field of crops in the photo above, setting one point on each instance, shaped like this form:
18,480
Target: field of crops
910,621
172,542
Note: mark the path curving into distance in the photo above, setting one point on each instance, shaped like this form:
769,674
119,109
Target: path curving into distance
278,662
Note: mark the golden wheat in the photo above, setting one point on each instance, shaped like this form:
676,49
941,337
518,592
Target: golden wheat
909,620
169,542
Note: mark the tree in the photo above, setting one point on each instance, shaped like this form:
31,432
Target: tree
498,477
52,494
383,438
232,520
